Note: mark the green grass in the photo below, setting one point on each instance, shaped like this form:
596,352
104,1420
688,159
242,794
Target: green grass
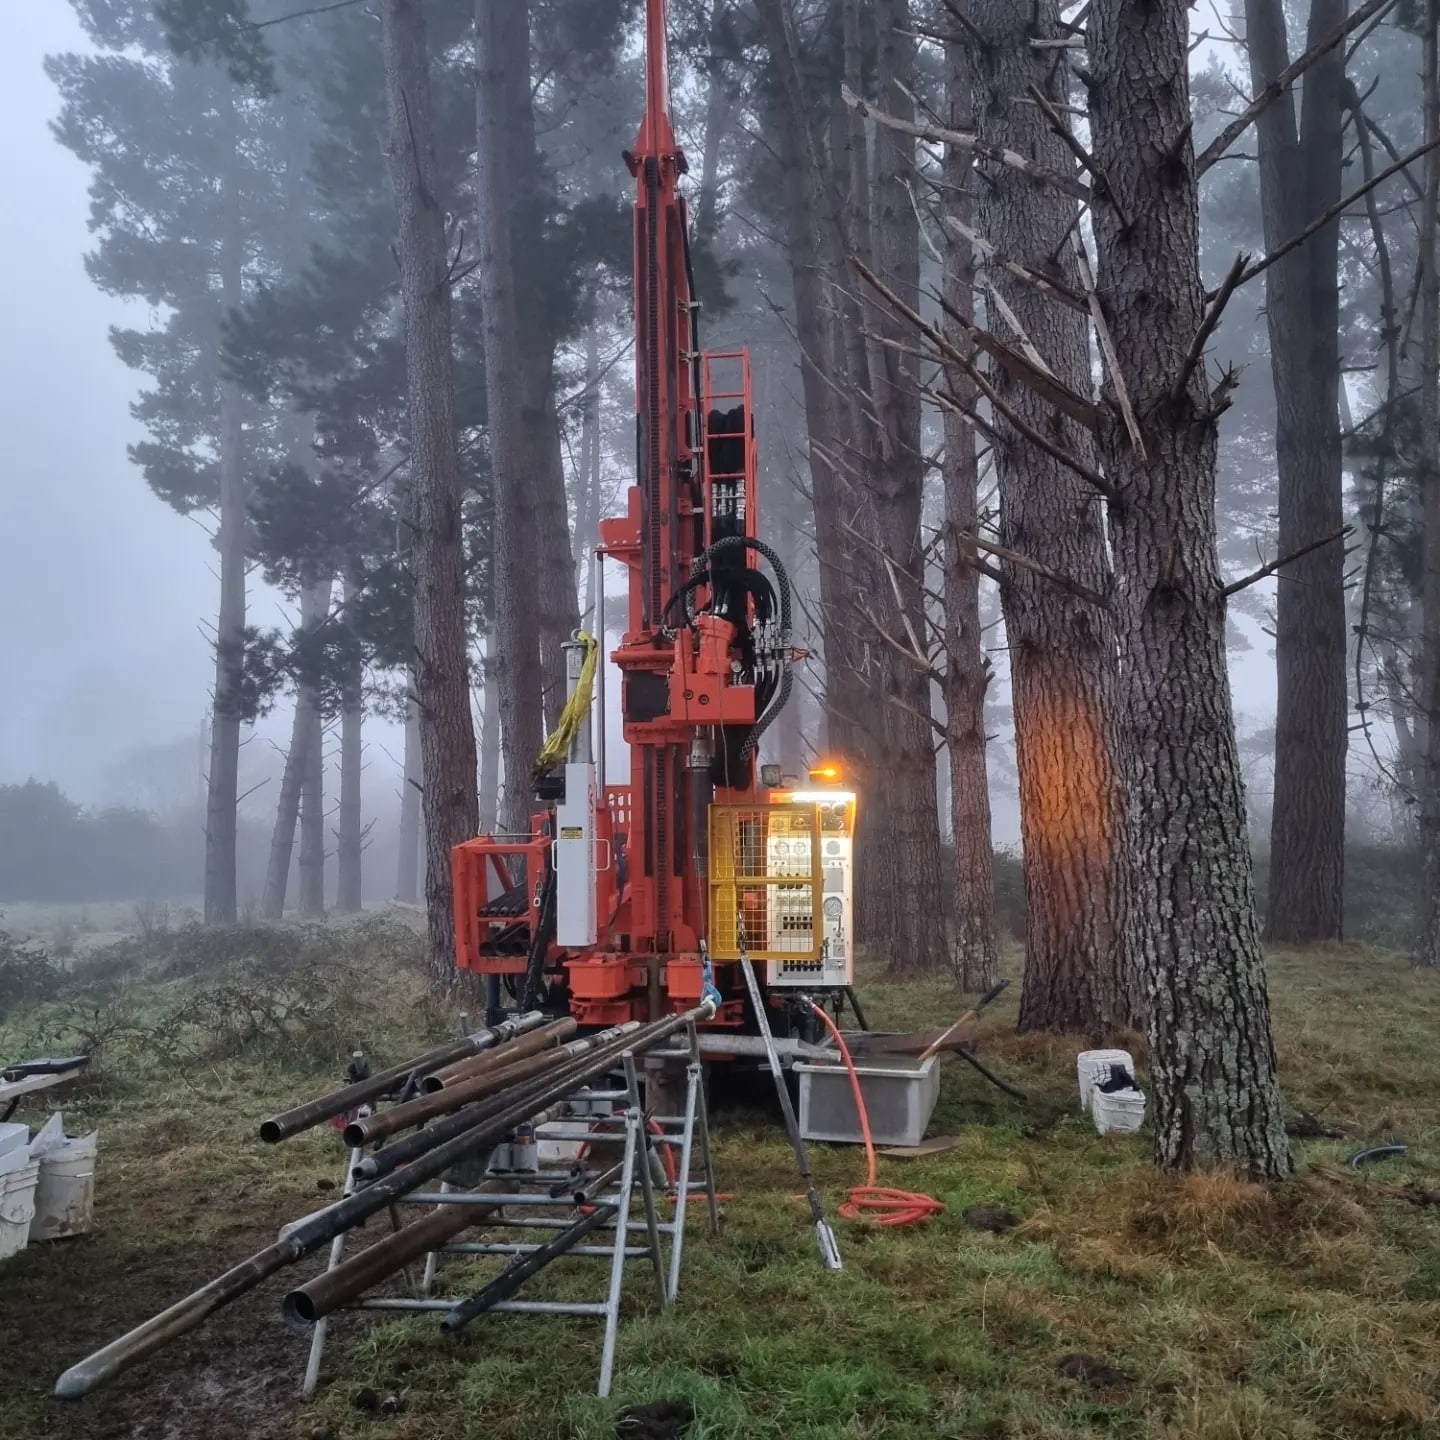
1304,1311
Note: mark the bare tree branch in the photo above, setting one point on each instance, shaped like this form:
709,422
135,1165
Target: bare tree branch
1282,82
937,135
1033,278
1107,345
1024,562
1267,570
1207,327
1335,210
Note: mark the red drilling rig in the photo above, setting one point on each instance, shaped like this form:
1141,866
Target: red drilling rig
619,899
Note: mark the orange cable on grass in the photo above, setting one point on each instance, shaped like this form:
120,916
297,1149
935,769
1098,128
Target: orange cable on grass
877,1203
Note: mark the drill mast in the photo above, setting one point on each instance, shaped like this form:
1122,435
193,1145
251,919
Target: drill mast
605,908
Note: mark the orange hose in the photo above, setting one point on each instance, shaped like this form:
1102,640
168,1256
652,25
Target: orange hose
878,1203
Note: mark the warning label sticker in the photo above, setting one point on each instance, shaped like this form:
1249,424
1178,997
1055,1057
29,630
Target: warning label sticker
572,832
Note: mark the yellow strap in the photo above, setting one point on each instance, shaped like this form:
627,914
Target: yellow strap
557,746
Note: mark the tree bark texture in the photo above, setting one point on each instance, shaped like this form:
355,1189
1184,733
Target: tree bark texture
351,837
967,668
901,880
1300,177
305,730
1427,948
489,745
869,483
222,796
312,782
447,735
502,41
1062,647
1191,933
408,866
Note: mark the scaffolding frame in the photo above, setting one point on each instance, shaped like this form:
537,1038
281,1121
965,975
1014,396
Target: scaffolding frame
599,1203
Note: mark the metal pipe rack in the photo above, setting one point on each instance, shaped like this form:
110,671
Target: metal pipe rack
589,1214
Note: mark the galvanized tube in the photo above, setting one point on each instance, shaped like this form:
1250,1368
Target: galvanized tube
80,1379
370,1128
545,1038
337,1102
333,1288
515,1274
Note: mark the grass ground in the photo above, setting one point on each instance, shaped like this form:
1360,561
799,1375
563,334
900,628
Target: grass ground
1232,1311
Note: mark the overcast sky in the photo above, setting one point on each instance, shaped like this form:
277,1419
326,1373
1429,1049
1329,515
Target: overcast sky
102,587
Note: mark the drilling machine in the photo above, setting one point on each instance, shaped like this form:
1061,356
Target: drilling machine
627,901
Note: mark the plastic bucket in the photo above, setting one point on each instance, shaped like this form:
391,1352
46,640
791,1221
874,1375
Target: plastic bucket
1122,1111
1094,1065
17,1206
65,1194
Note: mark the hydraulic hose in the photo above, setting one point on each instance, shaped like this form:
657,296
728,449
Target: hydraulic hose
782,582
870,1201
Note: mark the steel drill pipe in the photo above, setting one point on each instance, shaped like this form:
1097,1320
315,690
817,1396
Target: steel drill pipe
390,1158
545,1038
337,1102
370,1128
331,1289
317,1230
519,1270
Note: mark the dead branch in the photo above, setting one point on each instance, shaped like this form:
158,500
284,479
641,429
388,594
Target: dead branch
1107,345
1024,562
1207,327
993,256
1282,82
1336,210
1013,321
1267,570
938,135
1062,130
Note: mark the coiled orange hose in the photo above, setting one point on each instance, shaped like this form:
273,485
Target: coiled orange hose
877,1203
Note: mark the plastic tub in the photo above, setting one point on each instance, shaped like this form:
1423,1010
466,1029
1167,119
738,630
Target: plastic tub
65,1194
1092,1066
13,1136
17,1203
1120,1112
899,1096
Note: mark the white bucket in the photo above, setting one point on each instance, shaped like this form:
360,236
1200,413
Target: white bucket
1121,1111
1094,1065
65,1195
17,1204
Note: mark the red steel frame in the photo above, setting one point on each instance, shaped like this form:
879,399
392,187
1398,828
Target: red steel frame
673,686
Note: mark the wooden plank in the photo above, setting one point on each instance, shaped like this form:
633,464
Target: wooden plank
936,1145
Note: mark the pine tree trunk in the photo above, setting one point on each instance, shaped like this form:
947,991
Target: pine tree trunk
447,735
223,782
312,784
1191,934
502,43
407,889
489,747
1062,669
559,596
1427,948
304,730
350,886
1300,176
967,669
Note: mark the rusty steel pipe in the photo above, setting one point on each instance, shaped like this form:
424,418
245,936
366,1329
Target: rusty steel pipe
370,1128
390,1158
331,1289
337,1102
536,1042
318,1229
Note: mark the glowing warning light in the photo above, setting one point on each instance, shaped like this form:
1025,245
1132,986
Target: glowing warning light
825,774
